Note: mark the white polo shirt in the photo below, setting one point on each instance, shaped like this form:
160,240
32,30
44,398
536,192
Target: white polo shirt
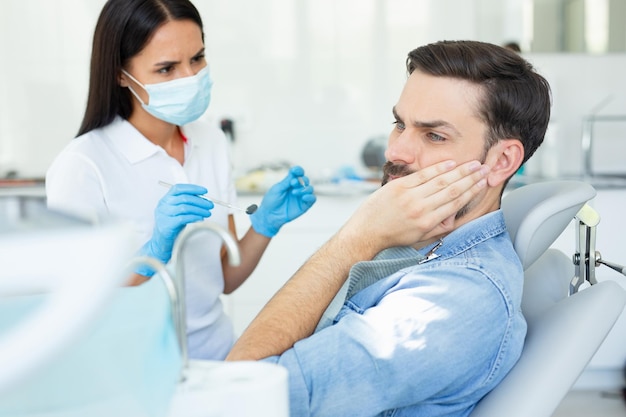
113,173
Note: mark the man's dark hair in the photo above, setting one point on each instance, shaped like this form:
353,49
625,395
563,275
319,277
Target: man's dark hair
516,100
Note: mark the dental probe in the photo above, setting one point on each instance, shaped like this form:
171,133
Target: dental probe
249,210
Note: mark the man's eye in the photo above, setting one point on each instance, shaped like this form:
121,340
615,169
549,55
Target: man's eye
435,137
399,125
164,70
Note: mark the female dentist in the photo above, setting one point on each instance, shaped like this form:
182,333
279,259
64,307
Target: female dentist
149,84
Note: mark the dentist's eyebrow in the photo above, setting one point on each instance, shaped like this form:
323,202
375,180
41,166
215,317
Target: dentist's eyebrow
170,63
432,124
200,52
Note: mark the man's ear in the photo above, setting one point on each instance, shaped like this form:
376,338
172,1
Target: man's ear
504,158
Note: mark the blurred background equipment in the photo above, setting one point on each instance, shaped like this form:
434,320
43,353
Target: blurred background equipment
373,154
73,340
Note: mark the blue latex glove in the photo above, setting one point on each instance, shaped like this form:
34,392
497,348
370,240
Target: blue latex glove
180,206
283,202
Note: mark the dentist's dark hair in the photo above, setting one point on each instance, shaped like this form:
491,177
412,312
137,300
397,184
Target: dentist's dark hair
516,100
123,30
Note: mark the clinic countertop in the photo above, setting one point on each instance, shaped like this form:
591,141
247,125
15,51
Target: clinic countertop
22,187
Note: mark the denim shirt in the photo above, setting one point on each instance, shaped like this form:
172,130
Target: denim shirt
424,338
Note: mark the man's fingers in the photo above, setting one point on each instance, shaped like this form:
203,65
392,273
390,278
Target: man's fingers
448,223
427,174
442,176
444,195
443,182
459,185
421,205
464,191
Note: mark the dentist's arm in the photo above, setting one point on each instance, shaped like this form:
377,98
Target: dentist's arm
407,210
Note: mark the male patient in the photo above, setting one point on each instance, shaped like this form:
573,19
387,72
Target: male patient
431,320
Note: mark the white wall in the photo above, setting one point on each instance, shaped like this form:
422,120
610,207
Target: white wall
580,84
44,52
308,81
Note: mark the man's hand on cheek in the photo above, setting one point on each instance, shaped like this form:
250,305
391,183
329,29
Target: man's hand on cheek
418,206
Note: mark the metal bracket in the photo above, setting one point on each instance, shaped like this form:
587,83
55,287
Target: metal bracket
585,257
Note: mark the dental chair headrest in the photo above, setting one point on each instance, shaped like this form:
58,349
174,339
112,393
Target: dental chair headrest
536,214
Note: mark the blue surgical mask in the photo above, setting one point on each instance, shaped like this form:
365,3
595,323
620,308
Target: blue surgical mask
179,101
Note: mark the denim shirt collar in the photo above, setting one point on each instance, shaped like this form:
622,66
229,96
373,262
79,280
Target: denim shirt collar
389,261
471,234
458,241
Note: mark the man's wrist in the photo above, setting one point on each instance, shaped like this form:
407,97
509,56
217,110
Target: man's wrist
356,244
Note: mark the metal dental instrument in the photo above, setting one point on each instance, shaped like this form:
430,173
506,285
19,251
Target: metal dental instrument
248,210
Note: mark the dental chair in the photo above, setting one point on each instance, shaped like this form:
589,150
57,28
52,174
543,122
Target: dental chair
569,313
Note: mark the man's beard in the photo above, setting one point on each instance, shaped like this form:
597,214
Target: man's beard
392,170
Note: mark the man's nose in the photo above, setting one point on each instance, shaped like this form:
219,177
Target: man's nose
401,149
